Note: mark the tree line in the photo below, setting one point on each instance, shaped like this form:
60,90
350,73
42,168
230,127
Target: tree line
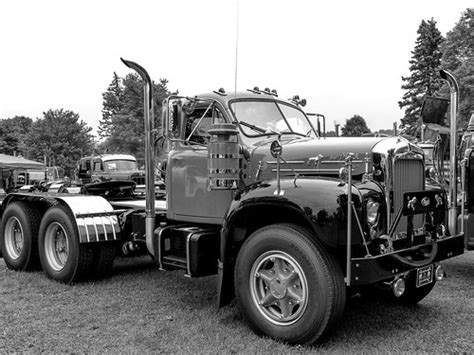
58,138
433,52
61,138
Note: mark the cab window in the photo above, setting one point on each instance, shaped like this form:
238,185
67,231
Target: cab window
199,123
98,165
86,165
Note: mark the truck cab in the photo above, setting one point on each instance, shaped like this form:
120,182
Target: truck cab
109,167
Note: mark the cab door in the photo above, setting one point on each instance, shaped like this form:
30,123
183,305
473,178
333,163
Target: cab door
187,182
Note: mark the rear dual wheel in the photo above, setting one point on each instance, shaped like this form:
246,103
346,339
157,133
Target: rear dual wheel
19,236
288,286
63,257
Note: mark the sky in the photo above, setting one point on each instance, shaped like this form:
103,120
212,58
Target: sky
345,57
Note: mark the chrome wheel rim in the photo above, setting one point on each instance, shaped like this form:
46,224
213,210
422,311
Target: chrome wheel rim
14,238
279,288
56,246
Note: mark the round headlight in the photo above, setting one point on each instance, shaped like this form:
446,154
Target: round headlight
398,287
372,211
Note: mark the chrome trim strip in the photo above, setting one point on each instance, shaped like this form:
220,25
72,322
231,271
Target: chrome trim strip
310,170
322,161
289,162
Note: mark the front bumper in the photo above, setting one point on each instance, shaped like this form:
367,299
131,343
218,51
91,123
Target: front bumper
371,269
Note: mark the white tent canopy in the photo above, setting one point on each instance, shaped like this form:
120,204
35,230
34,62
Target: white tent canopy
11,162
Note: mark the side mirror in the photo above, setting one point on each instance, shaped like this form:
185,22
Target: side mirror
172,117
175,110
434,110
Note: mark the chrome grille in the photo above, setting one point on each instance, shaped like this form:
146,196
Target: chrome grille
408,175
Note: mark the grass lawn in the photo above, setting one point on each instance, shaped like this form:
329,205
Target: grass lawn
142,310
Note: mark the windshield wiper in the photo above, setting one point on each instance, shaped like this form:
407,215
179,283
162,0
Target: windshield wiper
255,128
268,131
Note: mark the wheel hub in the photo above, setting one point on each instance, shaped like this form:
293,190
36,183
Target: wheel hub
56,246
14,239
279,287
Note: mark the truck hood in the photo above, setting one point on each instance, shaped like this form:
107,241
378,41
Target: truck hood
124,174
309,156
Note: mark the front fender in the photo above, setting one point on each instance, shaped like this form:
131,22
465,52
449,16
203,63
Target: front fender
319,205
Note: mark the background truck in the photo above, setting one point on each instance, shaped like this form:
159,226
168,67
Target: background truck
290,222
109,167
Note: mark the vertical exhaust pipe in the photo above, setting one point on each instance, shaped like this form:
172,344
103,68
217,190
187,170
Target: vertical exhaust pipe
453,181
149,153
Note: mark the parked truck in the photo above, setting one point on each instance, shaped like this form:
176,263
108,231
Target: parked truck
109,167
290,222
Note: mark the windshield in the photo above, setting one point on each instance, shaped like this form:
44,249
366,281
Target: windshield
269,117
120,165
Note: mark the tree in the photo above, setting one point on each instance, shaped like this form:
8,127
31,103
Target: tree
355,127
13,132
424,79
123,125
61,138
112,103
458,58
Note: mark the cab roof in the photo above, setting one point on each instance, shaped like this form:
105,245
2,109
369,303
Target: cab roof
224,98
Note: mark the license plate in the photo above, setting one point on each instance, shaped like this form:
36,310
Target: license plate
424,275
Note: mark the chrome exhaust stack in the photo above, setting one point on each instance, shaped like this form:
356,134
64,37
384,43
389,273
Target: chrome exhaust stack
452,192
149,153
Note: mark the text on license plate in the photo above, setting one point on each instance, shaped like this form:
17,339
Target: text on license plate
424,275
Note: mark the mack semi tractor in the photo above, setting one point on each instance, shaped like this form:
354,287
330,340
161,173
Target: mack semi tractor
289,221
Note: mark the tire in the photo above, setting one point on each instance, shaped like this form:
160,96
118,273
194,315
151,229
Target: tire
62,257
287,285
413,294
103,259
19,236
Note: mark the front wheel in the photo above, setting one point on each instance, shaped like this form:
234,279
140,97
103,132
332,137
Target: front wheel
62,257
287,285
